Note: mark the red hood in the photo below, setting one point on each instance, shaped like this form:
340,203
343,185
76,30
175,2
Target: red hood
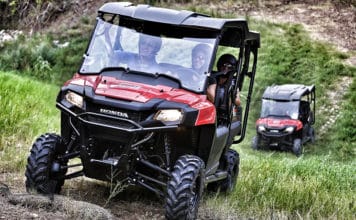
279,123
139,92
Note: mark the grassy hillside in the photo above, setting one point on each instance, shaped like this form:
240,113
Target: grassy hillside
287,55
27,109
320,184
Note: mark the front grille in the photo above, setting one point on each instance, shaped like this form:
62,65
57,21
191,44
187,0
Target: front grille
274,133
110,122
136,116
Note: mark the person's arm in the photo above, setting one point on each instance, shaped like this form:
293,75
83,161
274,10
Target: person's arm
237,98
211,89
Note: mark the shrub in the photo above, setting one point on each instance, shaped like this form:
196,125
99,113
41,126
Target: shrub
41,58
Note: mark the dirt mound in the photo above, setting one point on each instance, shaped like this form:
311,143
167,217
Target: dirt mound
66,207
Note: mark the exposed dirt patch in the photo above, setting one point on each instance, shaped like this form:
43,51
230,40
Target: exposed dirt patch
336,26
325,22
335,96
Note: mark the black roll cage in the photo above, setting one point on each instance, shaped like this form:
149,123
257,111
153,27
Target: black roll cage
229,32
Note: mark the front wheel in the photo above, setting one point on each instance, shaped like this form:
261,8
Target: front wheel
297,147
185,188
256,143
40,175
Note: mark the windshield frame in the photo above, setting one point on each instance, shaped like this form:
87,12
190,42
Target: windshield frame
111,42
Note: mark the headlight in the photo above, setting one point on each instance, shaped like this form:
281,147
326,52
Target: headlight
169,115
261,128
74,99
289,129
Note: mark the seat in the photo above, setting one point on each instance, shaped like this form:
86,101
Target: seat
223,100
304,111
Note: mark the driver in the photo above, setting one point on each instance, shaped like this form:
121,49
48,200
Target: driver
148,48
145,60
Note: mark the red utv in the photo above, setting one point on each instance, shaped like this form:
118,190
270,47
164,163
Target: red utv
150,126
287,116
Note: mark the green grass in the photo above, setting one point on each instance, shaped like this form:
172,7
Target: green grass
311,185
27,110
271,184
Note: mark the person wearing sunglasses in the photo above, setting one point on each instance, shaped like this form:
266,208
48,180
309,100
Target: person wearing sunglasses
200,61
226,66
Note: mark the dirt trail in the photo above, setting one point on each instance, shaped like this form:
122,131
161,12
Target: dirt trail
324,22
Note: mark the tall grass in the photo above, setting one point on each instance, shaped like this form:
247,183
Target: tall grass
308,186
27,109
282,185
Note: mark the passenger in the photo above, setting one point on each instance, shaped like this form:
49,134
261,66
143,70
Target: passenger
226,64
200,57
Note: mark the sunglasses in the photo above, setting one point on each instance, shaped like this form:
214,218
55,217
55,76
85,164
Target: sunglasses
227,65
200,57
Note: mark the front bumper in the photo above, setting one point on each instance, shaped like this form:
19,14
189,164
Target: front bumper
113,123
276,138
109,144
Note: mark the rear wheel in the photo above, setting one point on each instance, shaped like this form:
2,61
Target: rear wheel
297,147
233,163
233,159
185,188
311,134
40,174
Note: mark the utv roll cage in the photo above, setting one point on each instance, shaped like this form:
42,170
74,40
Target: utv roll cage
182,23
292,92
167,22
288,92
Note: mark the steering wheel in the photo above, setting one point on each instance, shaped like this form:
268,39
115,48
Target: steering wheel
122,57
188,75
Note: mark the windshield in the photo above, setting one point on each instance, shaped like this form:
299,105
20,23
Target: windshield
278,108
186,59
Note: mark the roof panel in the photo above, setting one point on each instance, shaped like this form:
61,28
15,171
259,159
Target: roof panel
182,19
169,16
287,92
